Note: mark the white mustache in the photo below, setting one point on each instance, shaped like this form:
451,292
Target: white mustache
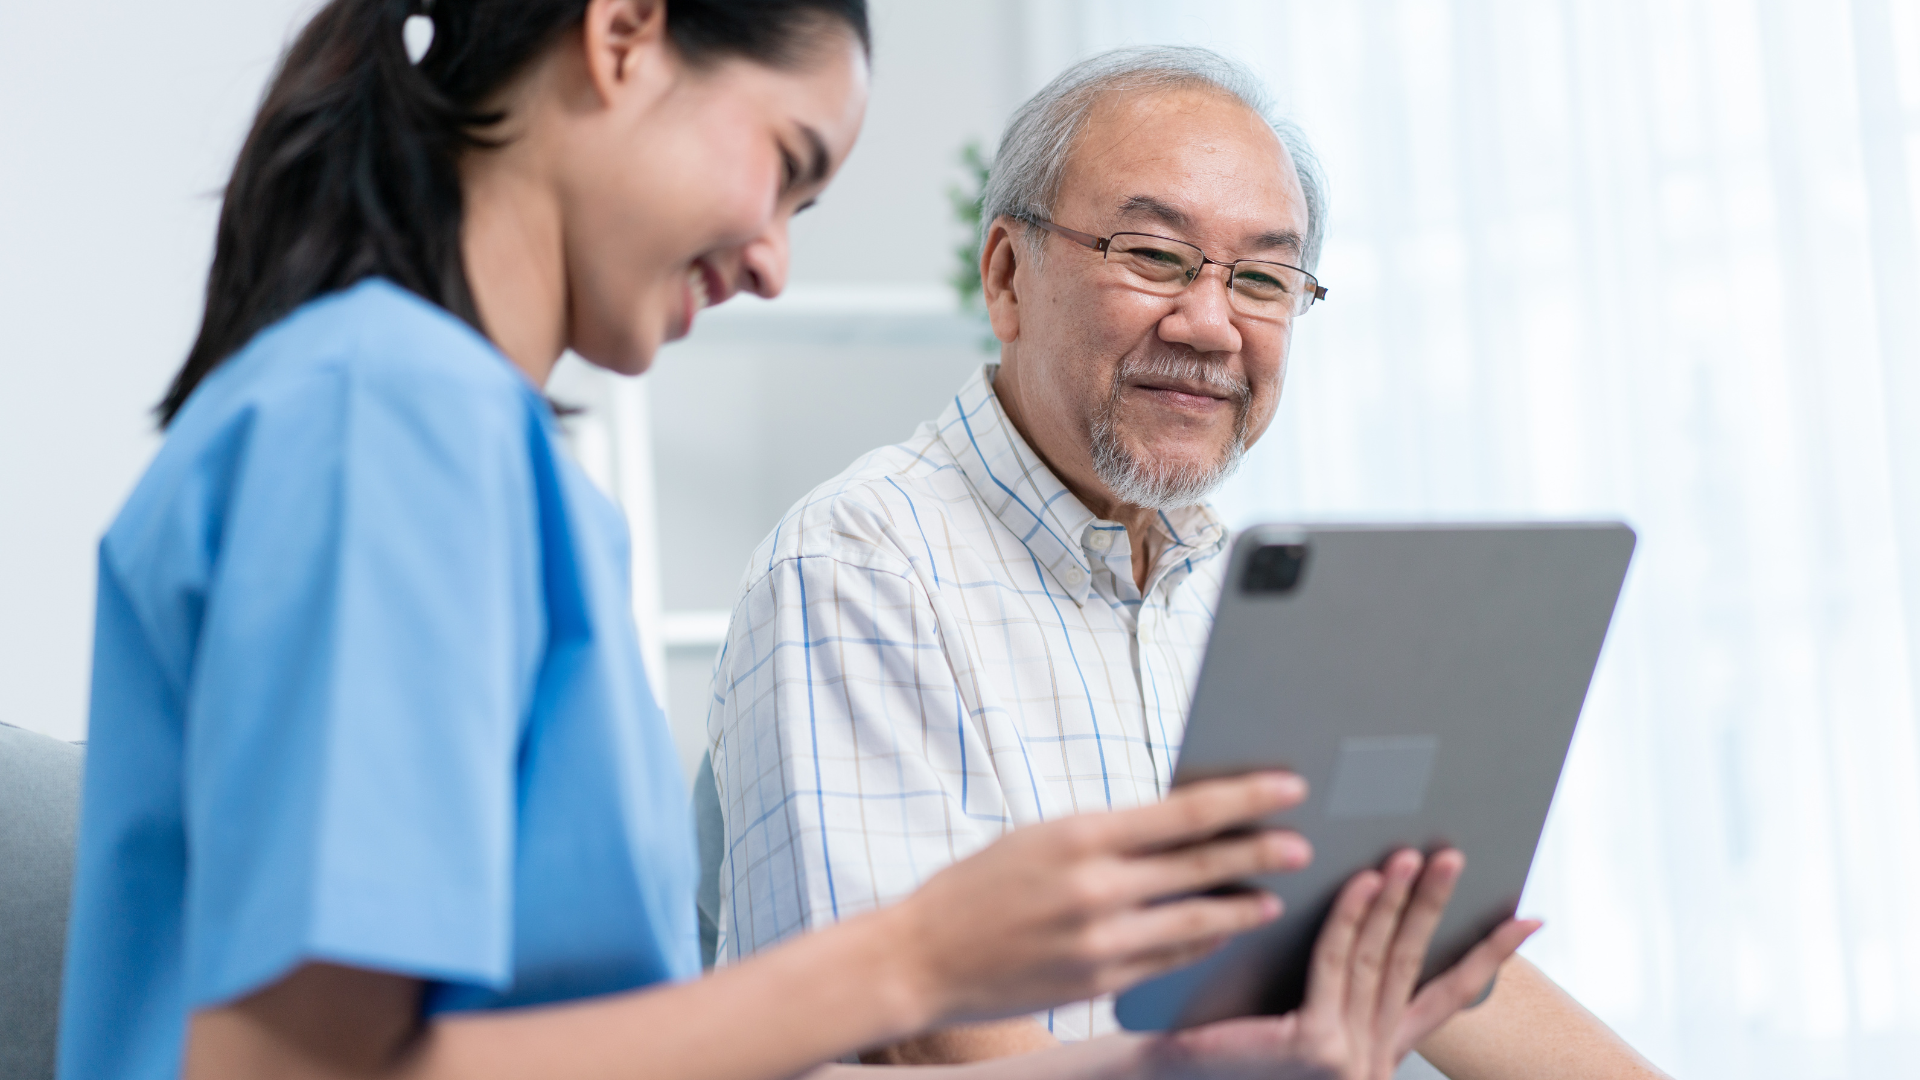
1185,369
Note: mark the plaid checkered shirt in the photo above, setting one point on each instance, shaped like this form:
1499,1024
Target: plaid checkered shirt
936,646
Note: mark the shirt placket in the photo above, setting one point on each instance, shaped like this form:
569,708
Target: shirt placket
1160,681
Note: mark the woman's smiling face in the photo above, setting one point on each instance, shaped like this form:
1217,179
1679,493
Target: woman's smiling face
678,194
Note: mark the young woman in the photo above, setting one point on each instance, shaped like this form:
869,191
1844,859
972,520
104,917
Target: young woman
377,786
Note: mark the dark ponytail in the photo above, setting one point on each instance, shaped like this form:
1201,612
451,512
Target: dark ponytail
351,169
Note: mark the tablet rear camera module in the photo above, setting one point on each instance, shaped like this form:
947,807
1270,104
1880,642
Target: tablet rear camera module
1274,569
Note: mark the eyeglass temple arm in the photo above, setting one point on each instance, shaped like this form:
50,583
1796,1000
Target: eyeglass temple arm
1097,243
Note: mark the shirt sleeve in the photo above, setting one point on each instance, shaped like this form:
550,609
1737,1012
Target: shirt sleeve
365,653
847,765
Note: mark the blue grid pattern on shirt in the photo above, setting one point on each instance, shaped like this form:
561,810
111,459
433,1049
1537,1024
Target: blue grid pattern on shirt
933,648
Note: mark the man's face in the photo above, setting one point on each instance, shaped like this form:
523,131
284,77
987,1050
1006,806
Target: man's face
1141,398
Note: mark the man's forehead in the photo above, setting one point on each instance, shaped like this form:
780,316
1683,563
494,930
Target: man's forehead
1167,210
1192,160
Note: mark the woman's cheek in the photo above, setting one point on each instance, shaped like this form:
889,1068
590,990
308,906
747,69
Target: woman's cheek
742,190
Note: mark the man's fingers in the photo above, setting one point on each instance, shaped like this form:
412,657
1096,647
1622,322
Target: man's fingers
1409,951
1198,811
1218,862
1457,988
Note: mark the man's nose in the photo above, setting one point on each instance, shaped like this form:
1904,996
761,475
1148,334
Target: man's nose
765,261
1202,315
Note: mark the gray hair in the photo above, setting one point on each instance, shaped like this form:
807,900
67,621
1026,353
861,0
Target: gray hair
1032,161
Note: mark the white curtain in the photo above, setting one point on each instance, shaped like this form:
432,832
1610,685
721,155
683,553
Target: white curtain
1652,259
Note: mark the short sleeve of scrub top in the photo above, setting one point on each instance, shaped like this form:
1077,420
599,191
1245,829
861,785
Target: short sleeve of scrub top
366,691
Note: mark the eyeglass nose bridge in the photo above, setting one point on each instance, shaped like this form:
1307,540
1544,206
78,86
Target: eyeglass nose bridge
1226,268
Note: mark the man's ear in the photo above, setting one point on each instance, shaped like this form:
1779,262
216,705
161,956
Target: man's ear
1000,255
626,46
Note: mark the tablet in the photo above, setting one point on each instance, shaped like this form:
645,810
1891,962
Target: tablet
1425,680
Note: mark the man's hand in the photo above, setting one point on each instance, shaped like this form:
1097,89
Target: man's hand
1082,906
1361,1015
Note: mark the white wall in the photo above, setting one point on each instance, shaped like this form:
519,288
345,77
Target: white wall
942,74
764,401
120,120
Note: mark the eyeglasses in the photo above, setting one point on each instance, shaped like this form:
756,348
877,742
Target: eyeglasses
1165,267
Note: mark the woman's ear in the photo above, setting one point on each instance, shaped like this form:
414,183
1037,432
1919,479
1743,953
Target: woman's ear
999,258
627,48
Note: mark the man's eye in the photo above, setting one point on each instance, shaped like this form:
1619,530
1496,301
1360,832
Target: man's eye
1261,280
790,166
1159,256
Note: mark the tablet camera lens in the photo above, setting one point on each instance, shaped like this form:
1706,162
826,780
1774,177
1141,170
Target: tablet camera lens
1274,569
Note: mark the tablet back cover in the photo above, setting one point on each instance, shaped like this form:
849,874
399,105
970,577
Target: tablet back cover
1426,681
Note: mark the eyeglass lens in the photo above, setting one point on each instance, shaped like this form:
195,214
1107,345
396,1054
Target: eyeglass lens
1159,265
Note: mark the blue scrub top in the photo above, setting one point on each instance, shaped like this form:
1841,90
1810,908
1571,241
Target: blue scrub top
366,690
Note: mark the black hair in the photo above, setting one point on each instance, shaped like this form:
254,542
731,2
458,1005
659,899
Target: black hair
351,168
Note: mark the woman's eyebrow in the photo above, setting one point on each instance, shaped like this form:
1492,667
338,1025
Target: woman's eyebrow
816,170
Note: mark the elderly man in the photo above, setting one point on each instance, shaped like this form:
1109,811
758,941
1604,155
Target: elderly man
999,621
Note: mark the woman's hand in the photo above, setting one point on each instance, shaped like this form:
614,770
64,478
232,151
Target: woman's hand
1085,905
1361,1015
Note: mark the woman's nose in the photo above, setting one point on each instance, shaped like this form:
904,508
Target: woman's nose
765,261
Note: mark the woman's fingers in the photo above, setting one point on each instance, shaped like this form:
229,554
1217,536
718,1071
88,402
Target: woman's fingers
1409,950
1327,976
1376,935
1462,983
1196,812
1198,867
1066,909
1142,932
1147,965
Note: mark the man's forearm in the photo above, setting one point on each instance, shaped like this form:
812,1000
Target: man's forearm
1530,1029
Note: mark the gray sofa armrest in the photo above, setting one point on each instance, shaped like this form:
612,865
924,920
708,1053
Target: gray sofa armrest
39,820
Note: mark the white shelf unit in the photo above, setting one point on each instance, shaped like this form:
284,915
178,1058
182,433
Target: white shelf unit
764,400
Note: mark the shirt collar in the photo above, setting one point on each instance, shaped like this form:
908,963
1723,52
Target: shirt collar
1025,495
1190,535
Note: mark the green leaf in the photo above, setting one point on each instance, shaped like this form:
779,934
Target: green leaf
968,199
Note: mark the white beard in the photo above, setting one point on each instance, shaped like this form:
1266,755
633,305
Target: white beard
1149,484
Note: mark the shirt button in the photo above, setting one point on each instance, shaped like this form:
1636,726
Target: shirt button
1099,539
1074,577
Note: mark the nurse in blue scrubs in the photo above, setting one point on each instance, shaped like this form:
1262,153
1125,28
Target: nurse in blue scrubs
377,785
